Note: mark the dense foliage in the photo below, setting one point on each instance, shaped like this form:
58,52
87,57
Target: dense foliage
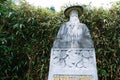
27,34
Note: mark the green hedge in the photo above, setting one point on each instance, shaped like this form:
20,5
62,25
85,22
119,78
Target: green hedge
27,35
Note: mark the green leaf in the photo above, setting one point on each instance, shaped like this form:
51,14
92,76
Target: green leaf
16,26
104,72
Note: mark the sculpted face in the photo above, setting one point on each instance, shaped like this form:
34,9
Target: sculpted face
73,13
74,16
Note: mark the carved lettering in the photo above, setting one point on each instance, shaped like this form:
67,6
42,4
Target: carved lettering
72,77
84,77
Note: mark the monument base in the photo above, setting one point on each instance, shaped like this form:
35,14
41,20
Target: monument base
72,64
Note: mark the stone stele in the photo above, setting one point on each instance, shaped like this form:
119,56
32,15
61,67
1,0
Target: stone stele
73,54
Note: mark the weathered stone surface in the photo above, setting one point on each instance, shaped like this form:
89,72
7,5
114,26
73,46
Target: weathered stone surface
74,61
73,54
75,35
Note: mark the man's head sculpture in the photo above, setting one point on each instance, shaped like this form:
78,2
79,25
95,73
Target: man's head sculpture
73,34
79,9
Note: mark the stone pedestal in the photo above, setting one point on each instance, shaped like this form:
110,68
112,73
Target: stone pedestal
72,64
73,54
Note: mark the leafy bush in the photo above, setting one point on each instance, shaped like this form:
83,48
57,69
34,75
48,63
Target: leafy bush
27,35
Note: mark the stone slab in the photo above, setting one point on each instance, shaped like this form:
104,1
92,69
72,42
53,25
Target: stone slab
76,62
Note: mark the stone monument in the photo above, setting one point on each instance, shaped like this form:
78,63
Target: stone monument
73,54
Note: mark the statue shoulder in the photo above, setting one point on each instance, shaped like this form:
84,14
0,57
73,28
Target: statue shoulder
82,24
63,25
84,27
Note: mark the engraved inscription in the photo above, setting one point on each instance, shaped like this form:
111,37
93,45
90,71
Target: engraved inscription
69,77
84,77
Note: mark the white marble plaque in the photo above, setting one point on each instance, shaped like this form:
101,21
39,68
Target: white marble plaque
76,62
